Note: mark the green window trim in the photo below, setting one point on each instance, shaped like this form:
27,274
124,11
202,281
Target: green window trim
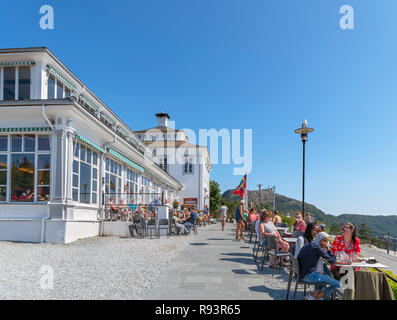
89,142
8,64
90,102
126,160
46,129
61,78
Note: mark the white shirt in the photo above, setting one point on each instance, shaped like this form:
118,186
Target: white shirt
223,210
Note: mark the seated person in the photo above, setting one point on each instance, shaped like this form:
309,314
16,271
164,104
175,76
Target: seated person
348,243
308,259
307,237
28,195
112,207
299,224
180,228
189,223
267,228
138,225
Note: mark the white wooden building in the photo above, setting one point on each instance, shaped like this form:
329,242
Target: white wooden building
62,151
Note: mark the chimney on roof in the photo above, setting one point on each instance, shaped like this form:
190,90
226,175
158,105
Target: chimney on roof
162,119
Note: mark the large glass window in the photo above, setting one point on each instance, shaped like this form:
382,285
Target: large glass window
3,177
51,88
43,177
113,180
188,166
22,177
24,83
85,174
131,186
9,83
59,90
3,143
28,170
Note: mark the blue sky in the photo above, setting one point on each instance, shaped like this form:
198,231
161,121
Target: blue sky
236,64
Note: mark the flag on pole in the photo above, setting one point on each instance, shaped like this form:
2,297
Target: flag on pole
240,189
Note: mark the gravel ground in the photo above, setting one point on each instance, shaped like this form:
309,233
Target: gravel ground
94,268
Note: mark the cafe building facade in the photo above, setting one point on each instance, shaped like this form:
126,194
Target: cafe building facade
64,154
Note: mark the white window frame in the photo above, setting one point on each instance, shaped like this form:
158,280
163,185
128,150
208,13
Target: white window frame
92,167
36,154
189,161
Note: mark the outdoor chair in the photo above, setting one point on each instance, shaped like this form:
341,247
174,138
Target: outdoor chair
257,246
194,227
252,230
151,226
272,250
138,226
163,225
294,275
172,228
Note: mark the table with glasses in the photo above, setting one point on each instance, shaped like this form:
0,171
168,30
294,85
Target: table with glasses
347,268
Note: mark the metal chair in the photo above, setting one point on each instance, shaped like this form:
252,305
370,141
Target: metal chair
294,275
172,228
272,250
152,223
163,225
252,230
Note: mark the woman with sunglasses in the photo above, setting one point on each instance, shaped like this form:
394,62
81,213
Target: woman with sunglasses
347,242
299,224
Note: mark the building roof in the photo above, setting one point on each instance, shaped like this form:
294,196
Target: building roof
162,115
171,144
160,128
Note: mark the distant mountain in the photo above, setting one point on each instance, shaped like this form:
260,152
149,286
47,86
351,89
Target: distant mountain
377,224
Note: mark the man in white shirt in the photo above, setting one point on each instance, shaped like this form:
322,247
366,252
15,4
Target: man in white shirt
223,215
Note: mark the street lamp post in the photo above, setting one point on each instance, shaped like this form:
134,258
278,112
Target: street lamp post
274,197
259,187
303,131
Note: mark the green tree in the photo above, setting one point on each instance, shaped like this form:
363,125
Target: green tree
334,229
215,198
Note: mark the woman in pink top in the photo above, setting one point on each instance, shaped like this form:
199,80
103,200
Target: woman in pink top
252,215
299,224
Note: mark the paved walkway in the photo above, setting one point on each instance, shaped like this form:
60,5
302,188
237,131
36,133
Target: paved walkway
215,266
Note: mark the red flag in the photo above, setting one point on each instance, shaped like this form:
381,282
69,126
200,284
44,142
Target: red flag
240,189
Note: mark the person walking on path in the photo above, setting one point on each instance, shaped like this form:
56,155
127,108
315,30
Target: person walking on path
240,220
223,215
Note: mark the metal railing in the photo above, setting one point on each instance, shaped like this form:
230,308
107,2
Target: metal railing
122,206
387,242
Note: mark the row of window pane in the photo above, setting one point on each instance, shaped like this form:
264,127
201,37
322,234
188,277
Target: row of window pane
25,143
85,175
60,90
9,85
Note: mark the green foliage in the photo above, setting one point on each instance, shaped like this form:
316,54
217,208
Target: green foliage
215,199
334,230
287,220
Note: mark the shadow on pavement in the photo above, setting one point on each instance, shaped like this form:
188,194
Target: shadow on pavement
240,254
277,294
239,260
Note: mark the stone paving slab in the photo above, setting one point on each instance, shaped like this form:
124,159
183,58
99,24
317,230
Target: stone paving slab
214,266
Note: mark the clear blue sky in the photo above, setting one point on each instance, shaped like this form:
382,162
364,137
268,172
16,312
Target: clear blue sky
264,65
